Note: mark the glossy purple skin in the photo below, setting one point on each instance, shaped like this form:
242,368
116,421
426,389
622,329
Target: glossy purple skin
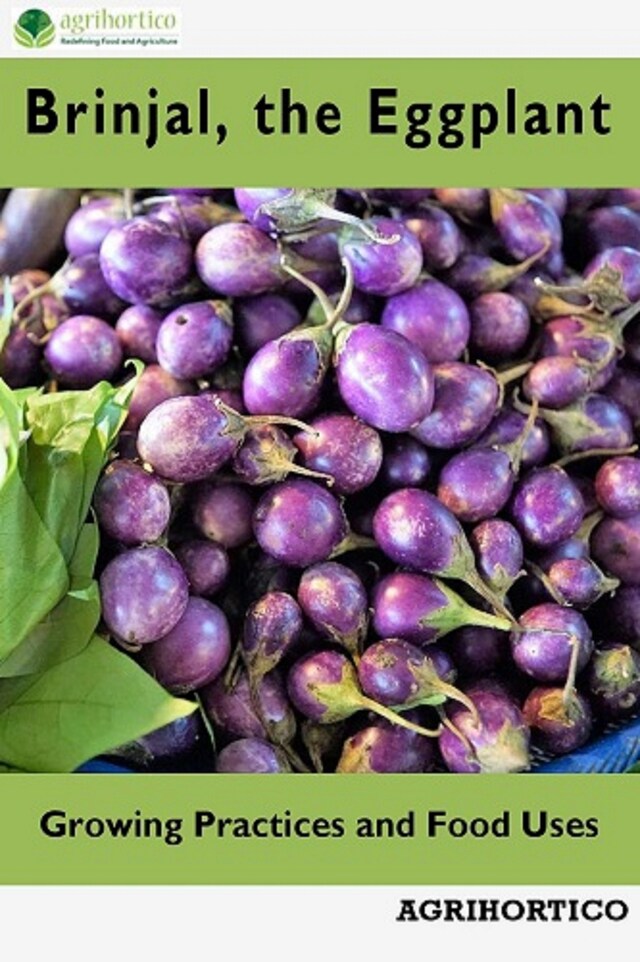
470,202
206,565
554,197
624,388
285,377
547,507
498,551
137,329
238,260
476,484
607,227
499,742
194,652
144,593
154,386
195,339
400,601
190,217
622,609
618,486
272,625
184,439
405,462
385,674
383,269
577,581
433,317
250,756
132,506
89,225
466,399
556,382
507,426
344,447
571,336
542,649
334,600
414,529
223,513
476,650
526,224
232,710
615,545
310,671
554,728
440,237
623,259
250,199
144,261
82,351
20,359
177,738
600,423
372,361
263,318
82,287
384,748
613,680
299,522
500,325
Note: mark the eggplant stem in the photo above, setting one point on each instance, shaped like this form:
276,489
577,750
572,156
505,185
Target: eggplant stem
33,295
397,719
570,684
595,453
474,581
446,721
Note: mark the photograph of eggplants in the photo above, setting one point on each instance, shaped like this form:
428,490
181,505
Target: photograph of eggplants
320,480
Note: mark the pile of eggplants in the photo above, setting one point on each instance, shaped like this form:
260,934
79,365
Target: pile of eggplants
376,503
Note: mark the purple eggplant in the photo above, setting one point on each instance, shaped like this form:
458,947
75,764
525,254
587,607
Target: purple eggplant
494,740
560,722
433,317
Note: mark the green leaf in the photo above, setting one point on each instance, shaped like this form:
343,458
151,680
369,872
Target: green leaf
67,628
33,573
71,434
81,708
47,478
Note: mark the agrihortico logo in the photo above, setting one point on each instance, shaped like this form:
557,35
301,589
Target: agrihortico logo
34,29
103,27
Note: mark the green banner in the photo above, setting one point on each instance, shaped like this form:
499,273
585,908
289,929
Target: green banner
389,122
200,829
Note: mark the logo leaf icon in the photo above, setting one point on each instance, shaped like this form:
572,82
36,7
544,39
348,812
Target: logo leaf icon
22,37
45,36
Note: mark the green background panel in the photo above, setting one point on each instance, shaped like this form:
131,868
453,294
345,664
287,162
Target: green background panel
353,156
608,858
